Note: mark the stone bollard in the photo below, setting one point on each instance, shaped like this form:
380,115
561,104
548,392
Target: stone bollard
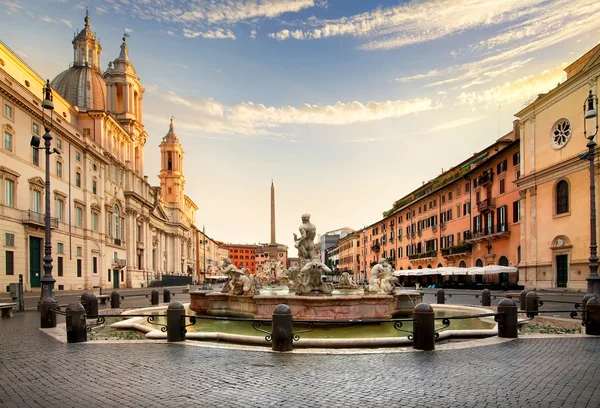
91,306
531,303
176,322
592,318
115,299
423,327
154,297
84,298
486,298
166,295
282,337
75,318
47,314
441,297
507,319
523,300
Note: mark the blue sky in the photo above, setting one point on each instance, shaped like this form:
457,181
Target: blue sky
347,104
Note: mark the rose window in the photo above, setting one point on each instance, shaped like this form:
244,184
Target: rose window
560,133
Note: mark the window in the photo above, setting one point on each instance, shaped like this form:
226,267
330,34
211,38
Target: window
78,179
95,265
8,111
78,156
94,187
35,129
501,167
444,199
60,210
79,251
562,197
467,209
560,135
95,222
9,193
477,223
501,221
116,216
467,187
60,248
8,141
9,239
59,144
450,196
10,263
59,169
109,275
78,217
60,266
79,267
37,201
477,197
35,156
517,211
434,203
502,186
516,158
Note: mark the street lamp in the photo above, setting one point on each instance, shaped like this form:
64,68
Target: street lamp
590,112
47,298
204,241
365,255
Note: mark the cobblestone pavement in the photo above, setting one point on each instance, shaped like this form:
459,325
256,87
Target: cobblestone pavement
36,370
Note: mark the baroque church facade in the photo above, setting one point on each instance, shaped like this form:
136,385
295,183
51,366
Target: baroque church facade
110,227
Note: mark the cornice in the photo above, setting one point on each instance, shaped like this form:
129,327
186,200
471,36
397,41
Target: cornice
553,172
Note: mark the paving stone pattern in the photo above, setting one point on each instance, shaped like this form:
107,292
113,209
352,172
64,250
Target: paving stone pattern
38,371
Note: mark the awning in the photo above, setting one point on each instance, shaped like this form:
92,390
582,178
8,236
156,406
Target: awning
455,271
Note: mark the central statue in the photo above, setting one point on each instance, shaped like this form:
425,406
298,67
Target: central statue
311,268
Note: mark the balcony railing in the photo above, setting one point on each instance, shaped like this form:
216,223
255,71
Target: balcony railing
420,232
375,247
119,263
434,227
486,205
428,254
491,230
484,179
457,249
38,219
443,225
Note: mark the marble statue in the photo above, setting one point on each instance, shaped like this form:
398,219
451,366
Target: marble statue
239,283
381,278
311,278
305,244
346,282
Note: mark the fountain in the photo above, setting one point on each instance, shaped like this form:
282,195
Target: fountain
308,296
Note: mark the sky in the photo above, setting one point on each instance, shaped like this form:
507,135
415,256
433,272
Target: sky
347,105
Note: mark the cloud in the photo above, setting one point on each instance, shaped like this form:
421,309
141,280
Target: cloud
211,34
128,30
457,123
517,91
66,22
101,10
171,33
49,20
253,34
429,74
208,116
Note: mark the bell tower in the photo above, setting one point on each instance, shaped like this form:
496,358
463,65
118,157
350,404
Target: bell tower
171,169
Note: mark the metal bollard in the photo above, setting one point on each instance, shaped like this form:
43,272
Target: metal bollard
84,298
75,318
91,306
283,334
47,315
441,297
507,319
175,322
523,299
423,327
531,303
166,295
154,297
592,316
486,298
115,299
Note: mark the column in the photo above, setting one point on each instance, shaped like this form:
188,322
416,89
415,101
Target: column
125,97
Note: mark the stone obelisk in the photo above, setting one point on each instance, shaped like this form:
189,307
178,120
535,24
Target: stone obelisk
273,242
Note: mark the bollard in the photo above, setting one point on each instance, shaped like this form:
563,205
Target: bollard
166,295
531,303
423,327
75,319
47,314
154,297
84,298
115,299
592,316
441,297
283,335
175,322
486,298
91,306
523,299
507,319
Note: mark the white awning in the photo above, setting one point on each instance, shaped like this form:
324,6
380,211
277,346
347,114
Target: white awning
455,271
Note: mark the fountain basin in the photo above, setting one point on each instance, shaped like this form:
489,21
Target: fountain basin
323,307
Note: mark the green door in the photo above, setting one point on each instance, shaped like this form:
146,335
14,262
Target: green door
562,270
115,279
35,261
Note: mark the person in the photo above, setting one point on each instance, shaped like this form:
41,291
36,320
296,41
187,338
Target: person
305,244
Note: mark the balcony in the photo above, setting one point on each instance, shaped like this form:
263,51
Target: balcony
423,255
420,232
486,205
38,219
492,231
413,234
119,263
459,249
375,247
118,241
434,227
400,237
443,225
391,240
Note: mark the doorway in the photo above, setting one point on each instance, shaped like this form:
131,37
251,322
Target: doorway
115,279
562,270
35,261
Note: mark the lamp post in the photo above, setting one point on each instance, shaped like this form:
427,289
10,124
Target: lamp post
47,298
365,255
590,112
204,241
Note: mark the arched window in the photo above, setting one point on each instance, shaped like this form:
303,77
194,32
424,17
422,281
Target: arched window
479,263
562,197
503,261
462,264
401,268
420,267
116,218
429,266
440,265
409,268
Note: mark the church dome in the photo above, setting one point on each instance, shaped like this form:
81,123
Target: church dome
82,86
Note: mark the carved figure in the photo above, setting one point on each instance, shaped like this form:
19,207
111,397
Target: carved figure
238,283
305,244
311,278
380,275
346,282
